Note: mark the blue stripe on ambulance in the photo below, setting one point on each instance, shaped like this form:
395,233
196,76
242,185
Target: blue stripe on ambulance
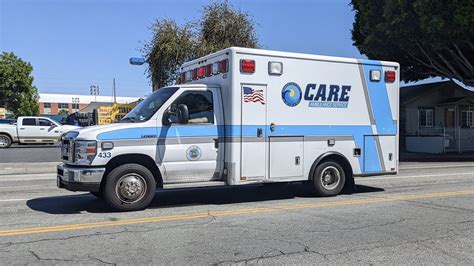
382,113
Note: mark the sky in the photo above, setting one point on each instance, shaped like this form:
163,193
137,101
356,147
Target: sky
73,44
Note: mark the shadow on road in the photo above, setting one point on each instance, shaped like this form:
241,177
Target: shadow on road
85,202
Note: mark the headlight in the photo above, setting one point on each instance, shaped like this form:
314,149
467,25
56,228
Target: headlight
85,151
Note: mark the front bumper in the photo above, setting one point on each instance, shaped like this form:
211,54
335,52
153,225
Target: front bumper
79,178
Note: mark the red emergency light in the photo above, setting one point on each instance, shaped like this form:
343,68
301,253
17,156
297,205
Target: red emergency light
209,70
223,66
390,76
247,66
201,72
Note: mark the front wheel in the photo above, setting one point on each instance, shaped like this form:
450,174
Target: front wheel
129,187
5,141
328,179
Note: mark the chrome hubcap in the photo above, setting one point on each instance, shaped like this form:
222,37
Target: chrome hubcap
3,141
131,188
330,177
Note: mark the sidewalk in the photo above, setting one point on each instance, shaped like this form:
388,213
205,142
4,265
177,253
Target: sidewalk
27,168
444,157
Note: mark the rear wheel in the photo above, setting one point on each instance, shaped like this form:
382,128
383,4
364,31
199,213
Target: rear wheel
129,187
5,141
328,179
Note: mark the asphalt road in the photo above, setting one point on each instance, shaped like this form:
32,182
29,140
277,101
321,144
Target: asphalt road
30,153
425,215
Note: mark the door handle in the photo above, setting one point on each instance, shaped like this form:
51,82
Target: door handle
297,160
41,128
259,132
22,128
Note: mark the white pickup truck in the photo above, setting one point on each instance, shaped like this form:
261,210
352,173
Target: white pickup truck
31,129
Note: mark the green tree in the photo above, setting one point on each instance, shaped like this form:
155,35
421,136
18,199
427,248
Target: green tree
220,26
16,85
428,38
170,46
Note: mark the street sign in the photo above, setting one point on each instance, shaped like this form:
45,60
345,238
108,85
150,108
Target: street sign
137,61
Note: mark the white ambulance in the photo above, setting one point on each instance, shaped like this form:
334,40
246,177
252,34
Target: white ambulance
244,116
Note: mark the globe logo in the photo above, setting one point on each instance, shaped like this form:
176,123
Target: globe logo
193,153
291,94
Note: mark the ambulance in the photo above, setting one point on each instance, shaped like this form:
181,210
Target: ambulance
244,116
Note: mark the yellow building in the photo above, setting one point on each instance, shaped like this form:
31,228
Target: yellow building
3,113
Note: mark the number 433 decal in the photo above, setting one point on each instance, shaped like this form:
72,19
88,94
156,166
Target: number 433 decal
105,155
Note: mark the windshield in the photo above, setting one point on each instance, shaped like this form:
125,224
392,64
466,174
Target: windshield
147,108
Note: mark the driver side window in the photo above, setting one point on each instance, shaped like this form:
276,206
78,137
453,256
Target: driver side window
44,122
200,107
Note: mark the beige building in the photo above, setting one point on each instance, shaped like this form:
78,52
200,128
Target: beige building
53,104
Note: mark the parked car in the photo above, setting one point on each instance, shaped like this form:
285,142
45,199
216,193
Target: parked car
30,129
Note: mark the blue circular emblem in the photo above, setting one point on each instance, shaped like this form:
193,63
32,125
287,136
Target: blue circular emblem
193,153
291,94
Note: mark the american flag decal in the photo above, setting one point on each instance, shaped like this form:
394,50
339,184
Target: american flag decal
251,95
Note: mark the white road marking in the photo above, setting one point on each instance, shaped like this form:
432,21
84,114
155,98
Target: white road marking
12,200
46,197
29,186
429,166
411,176
25,179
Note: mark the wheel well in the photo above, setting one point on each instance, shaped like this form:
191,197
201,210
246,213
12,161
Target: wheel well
140,159
6,134
341,160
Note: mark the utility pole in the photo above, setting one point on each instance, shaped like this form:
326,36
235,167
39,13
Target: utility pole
114,92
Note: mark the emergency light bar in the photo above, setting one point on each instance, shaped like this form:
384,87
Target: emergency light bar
204,71
376,75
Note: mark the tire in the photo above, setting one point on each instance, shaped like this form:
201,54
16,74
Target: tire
5,141
129,187
98,195
328,179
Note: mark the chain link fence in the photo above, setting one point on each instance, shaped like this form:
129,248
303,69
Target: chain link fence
454,139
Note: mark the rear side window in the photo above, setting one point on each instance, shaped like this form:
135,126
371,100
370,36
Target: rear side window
29,122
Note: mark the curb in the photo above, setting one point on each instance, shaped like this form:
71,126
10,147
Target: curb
28,168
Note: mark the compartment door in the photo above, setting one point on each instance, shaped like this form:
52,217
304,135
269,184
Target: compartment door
253,133
286,158
380,154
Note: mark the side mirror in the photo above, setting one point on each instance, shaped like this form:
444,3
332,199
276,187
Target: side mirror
183,114
166,118
53,125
